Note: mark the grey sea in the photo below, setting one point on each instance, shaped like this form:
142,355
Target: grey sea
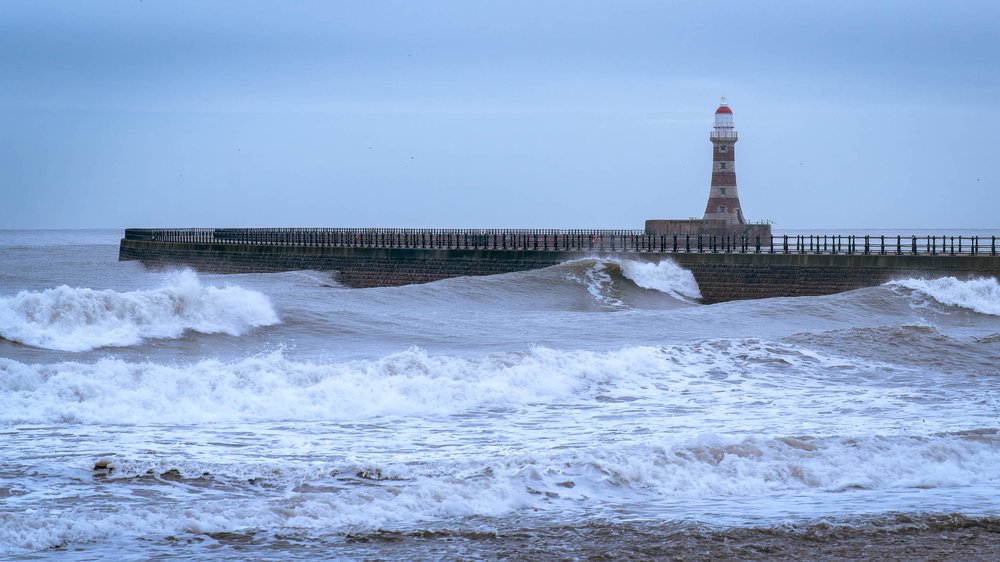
591,410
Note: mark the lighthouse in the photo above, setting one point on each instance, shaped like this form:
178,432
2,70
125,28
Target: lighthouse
723,198
723,214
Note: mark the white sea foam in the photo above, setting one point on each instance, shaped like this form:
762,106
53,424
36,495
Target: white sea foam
429,438
362,508
713,465
79,319
701,466
980,295
601,286
317,499
664,276
272,387
712,378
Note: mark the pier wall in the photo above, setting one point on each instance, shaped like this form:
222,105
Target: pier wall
725,277
732,271
354,266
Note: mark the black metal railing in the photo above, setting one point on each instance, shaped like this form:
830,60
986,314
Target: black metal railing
575,241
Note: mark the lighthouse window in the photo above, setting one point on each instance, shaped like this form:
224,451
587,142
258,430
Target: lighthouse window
722,191
722,165
722,209
723,148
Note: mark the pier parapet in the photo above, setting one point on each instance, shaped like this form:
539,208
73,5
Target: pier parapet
551,240
726,267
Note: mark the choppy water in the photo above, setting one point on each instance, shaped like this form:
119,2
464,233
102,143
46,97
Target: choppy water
587,409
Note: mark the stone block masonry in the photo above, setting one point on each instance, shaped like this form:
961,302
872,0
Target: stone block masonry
726,277
354,266
726,269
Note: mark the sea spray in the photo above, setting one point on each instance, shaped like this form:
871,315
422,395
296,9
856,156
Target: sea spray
664,276
980,294
80,319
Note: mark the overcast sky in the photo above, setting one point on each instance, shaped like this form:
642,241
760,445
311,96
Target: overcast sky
464,113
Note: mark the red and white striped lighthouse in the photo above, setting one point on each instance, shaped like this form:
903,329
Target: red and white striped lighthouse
723,199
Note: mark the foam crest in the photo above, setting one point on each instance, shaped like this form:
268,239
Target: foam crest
311,500
714,378
302,515
272,387
601,287
703,466
665,276
980,295
712,465
80,319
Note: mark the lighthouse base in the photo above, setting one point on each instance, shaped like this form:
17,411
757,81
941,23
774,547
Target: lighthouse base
673,227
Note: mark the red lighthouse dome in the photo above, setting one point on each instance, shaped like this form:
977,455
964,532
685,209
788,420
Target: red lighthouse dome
724,119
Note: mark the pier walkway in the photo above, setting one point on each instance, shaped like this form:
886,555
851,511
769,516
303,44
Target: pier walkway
603,241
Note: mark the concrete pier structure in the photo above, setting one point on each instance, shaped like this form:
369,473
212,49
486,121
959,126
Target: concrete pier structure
725,267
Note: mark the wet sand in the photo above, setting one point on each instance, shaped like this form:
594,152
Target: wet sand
901,537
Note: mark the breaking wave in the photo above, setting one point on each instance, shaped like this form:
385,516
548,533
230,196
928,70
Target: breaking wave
602,276
696,379
273,387
665,276
317,499
600,285
81,319
706,465
980,295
